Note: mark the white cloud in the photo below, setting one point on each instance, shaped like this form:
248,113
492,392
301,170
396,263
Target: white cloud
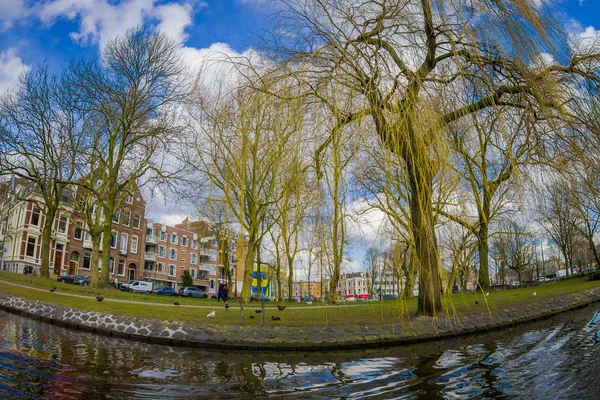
174,19
12,10
101,20
11,68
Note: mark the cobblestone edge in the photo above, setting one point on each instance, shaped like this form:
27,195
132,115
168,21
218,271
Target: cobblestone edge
292,338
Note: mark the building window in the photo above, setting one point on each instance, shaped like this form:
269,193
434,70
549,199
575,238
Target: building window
62,223
126,217
124,240
111,264
136,221
232,259
134,244
193,273
87,236
173,238
213,270
161,251
117,216
87,258
233,246
35,216
121,267
194,244
30,247
172,254
212,283
129,199
171,270
160,267
184,241
78,233
162,236
213,255
113,240
213,242
194,258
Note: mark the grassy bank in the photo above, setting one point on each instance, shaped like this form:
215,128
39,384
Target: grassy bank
296,314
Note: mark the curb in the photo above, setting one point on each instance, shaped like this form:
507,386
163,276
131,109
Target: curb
207,336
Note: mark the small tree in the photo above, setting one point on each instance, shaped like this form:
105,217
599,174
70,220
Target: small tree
187,279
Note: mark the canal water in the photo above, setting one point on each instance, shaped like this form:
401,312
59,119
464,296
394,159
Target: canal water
552,359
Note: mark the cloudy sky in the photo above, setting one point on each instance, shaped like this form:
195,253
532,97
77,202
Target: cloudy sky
55,31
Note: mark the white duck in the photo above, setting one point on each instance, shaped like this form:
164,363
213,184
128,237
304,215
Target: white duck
210,315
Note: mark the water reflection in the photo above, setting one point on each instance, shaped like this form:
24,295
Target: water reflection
550,359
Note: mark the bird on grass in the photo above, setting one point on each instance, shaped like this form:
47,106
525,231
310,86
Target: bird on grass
476,302
258,311
99,298
281,308
487,294
226,306
252,316
275,318
533,294
210,315
53,289
176,303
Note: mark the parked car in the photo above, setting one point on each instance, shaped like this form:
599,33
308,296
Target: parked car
141,287
166,291
390,297
544,279
193,292
125,286
74,279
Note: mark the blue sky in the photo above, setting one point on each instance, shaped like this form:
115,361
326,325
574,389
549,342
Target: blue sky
55,31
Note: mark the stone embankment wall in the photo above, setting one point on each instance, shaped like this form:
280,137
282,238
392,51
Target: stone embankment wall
287,338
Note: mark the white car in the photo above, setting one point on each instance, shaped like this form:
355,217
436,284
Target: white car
141,287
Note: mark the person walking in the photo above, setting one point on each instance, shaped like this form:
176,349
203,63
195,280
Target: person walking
225,292
220,293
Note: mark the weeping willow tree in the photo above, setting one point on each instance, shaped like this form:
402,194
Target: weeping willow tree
416,68
240,146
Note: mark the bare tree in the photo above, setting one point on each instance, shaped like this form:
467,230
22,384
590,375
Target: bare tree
133,93
560,218
514,245
40,141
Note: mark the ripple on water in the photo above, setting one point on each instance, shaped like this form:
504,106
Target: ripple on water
553,359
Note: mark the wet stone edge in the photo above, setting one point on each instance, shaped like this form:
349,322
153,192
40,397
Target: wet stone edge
255,338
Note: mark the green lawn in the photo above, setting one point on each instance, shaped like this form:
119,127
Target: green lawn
296,314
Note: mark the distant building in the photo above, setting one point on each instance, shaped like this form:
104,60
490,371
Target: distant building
354,285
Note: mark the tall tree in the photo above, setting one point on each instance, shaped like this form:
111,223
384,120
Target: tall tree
240,146
40,141
133,92
413,69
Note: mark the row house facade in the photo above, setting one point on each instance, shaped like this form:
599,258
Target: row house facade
139,249
302,289
126,246
188,246
352,285
21,225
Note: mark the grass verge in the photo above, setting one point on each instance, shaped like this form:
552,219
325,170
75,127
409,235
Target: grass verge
295,315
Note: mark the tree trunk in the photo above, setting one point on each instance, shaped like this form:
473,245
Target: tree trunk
47,242
94,261
106,239
483,281
248,269
290,280
427,262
